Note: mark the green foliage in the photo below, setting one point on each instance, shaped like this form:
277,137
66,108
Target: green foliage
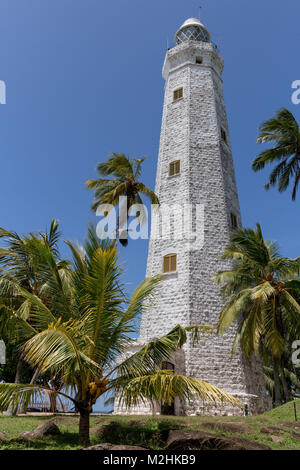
125,181
8,370
285,412
149,432
82,321
24,272
283,131
262,292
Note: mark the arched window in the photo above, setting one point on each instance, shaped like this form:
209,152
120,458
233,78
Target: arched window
170,263
168,408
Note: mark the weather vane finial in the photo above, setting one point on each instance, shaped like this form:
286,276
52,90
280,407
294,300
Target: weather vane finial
199,11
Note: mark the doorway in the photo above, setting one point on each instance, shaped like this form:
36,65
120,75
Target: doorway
168,408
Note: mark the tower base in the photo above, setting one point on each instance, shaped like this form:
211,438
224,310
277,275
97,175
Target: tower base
256,405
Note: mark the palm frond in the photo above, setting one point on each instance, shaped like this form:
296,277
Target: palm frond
164,386
284,133
150,357
12,394
62,347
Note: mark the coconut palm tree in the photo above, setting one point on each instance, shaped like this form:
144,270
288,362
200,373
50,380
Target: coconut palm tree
291,375
261,292
125,183
283,131
95,328
22,263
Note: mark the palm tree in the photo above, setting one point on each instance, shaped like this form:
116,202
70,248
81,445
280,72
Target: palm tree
20,260
126,173
282,130
261,296
96,326
291,375
22,263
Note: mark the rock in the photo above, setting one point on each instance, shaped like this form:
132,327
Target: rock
271,430
275,430
247,444
101,420
290,424
44,429
3,436
199,440
48,428
98,430
277,439
66,420
25,436
111,428
227,427
161,435
107,446
110,424
136,423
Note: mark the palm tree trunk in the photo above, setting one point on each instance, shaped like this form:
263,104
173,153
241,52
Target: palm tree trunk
35,375
277,397
18,376
282,376
84,428
18,379
53,402
286,392
120,232
32,382
53,397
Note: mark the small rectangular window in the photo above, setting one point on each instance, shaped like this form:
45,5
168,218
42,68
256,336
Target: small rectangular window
233,219
170,263
223,135
177,94
199,60
174,168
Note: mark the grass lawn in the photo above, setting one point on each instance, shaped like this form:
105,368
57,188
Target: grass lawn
147,431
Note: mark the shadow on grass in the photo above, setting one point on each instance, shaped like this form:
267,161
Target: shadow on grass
151,433
67,440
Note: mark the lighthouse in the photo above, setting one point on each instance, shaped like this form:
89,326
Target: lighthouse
195,173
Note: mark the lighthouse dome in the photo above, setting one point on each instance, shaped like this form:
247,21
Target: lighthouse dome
192,30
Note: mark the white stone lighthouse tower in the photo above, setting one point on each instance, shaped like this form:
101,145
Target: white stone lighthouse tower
195,167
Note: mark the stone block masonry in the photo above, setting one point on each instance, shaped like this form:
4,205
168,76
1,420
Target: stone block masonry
195,131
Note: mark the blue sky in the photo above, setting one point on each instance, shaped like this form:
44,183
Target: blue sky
84,79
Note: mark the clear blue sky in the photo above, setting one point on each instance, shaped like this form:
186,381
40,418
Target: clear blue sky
84,79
